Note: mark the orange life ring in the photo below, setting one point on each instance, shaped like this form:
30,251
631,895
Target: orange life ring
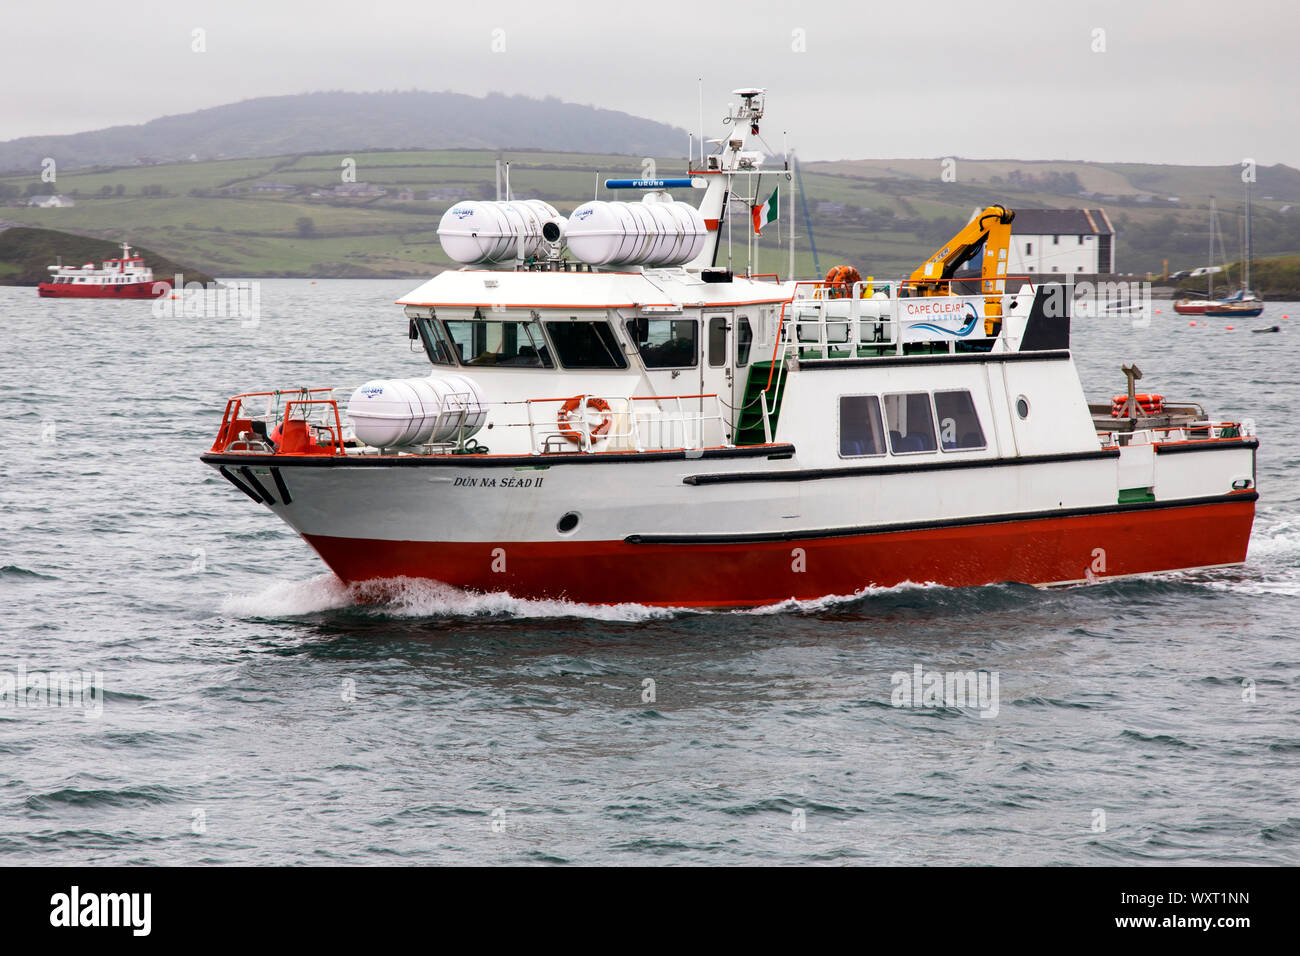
840,281
567,418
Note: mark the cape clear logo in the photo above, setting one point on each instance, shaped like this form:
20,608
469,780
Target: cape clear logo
134,910
462,213
969,316
372,391
582,214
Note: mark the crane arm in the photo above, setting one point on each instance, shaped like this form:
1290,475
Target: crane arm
989,231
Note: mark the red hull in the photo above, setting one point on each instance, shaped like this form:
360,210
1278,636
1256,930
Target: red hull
1036,551
131,290
1218,309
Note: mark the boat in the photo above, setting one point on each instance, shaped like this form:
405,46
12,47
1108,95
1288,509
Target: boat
615,412
126,277
1243,303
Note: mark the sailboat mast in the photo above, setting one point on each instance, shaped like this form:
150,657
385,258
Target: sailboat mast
1246,284
1209,275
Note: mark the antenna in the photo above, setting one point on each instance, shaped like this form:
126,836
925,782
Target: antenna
700,81
507,180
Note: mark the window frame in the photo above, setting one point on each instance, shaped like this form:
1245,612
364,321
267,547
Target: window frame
939,422
880,420
934,424
635,338
614,345
742,321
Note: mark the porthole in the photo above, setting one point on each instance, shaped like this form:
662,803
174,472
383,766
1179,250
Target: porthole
568,522
1022,407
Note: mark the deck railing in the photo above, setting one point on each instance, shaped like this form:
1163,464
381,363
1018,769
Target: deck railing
264,423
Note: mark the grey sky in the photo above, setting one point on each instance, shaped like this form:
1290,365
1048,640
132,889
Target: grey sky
1189,82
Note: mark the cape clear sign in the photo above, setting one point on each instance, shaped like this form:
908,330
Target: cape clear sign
961,317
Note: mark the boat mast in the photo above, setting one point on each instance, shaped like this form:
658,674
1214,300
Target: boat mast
1246,280
1209,274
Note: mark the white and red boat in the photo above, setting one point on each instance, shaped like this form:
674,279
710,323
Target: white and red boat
126,277
611,418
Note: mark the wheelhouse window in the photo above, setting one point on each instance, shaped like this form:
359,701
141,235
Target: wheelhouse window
665,343
911,422
437,344
744,341
581,344
861,432
959,423
497,342
717,341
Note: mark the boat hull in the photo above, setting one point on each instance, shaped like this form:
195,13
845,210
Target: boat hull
131,290
1219,309
687,571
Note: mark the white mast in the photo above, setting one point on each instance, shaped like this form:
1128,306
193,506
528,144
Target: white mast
1209,274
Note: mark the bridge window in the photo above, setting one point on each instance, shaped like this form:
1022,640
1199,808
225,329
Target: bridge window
665,343
494,342
911,422
586,345
861,432
959,423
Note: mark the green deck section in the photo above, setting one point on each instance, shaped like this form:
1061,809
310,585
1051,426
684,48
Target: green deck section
1128,496
749,428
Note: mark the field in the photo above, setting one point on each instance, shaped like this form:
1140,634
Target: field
883,216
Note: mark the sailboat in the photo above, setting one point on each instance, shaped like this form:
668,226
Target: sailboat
1243,303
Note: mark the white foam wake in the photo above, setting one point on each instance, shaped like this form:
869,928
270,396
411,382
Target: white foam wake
414,597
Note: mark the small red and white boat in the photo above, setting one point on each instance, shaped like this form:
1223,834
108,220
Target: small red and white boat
610,417
126,277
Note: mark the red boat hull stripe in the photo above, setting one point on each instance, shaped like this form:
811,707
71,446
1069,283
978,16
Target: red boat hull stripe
739,574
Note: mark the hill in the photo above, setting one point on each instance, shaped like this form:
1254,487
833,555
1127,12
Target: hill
285,215
25,253
311,122
1277,279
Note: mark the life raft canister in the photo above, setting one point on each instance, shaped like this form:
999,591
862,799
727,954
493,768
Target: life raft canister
568,419
1148,404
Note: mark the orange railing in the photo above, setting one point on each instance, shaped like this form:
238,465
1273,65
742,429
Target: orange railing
295,432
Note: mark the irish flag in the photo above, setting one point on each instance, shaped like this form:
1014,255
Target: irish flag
765,213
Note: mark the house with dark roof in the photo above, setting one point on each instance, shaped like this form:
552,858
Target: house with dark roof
1061,241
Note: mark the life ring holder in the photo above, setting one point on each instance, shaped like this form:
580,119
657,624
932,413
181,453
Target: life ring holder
568,420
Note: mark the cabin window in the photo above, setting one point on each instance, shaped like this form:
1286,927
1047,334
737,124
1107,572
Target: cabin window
744,340
665,343
959,423
911,422
438,345
491,342
1029,248
1056,240
861,432
586,345
718,341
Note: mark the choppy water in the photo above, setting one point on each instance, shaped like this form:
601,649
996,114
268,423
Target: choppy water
487,729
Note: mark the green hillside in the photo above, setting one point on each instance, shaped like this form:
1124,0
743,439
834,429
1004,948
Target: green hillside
884,216
25,254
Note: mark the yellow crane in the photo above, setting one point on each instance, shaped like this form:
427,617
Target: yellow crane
988,231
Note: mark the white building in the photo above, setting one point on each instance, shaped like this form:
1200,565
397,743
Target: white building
51,202
1047,241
